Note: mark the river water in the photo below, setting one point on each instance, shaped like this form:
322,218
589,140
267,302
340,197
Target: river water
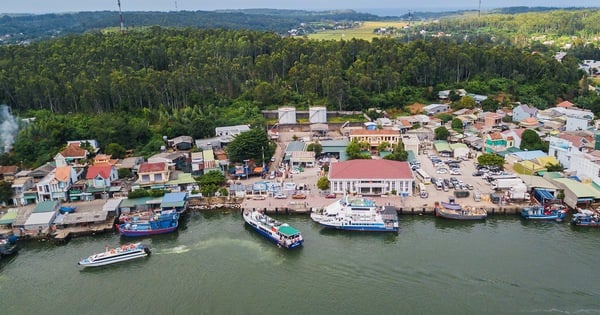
214,264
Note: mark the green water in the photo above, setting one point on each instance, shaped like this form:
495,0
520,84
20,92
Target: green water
216,265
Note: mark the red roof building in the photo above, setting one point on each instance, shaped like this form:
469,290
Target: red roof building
371,177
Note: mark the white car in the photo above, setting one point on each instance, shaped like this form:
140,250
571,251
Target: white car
280,196
442,170
455,171
295,171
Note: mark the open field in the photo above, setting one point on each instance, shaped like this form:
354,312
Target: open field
365,31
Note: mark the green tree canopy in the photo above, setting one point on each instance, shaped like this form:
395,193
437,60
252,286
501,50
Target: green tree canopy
315,147
250,145
323,183
354,151
530,140
457,125
441,133
491,159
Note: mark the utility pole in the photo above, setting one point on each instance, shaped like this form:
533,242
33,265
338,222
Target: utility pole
121,18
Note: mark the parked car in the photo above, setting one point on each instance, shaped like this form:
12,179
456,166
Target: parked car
469,186
478,173
455,171
280,196
330,196
298,196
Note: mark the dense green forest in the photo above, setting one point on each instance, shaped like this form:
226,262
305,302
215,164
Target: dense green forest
128,91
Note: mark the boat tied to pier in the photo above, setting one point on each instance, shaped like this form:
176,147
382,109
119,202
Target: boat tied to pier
9,245
586,217
160,223
549,212
356,214
117,254
454,211
279,233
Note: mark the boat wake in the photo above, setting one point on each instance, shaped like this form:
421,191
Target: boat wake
181,249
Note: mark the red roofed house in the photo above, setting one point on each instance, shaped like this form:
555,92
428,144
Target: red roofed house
153,174
565,104
371,177
101,176
73,154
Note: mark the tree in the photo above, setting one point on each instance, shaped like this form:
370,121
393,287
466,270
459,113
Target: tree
489,105
315,147
490,159
124,172
457,125
441,133
555,167
115,150
444,117
215,178
354,151
399,153
5,191
250,145
530,140
384,146
323,183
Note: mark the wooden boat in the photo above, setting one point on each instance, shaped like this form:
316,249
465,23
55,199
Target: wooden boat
160,223
551,212
586,218
281,234
452,210
115,255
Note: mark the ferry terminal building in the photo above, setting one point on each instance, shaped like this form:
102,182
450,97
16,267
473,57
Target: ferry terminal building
371,177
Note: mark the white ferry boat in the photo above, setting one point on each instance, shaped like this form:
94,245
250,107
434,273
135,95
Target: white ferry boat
115,255
357,214
279,233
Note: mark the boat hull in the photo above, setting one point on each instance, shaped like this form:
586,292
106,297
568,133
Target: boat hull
136,233
116,256
459,214
272,239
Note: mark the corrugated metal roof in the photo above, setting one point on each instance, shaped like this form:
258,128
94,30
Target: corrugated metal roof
45,206
578,188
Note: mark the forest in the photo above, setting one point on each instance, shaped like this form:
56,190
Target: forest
128,91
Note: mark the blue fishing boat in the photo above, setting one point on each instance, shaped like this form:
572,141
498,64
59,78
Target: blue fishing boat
357,214
549,212
161,223
279,233
9,245
586,218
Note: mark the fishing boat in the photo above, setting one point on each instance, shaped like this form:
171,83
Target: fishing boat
549,212
586,218
357,214
161,223
279,233
115,255
454,211
9,245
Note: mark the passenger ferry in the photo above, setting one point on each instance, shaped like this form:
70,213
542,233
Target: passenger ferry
357,214
115,255
279,233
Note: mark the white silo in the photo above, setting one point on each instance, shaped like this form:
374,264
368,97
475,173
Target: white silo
287,115
317,115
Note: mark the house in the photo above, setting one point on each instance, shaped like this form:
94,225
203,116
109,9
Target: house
22,191
371,177
383,121
530,122
513,137
131,163
434,109
209,161
576,118
303,158
197,163
177,160
153,175
100,177
93,144
567,145
72,155
183,143
494,142
104,159
42,216
42,171
565,104
375,137
226,134
523,111
492,119
55,186
334,149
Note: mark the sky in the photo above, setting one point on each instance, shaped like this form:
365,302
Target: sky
59,6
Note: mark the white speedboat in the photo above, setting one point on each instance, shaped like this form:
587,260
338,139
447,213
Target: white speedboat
115,255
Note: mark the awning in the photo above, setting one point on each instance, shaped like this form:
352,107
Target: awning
545,194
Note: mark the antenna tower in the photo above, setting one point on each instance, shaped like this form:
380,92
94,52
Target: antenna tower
121,18
479,11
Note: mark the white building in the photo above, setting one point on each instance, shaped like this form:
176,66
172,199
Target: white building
371,177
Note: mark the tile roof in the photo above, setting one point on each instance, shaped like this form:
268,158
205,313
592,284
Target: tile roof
565,104
102,170
63,173
152,167
74,151
577,141
370,169
495,135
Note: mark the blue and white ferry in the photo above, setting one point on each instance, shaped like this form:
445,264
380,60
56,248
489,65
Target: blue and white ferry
279,233
357,214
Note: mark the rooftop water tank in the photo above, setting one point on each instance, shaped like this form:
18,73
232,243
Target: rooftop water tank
287,115
317,115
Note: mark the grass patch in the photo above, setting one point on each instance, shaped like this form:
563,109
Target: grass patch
364,31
